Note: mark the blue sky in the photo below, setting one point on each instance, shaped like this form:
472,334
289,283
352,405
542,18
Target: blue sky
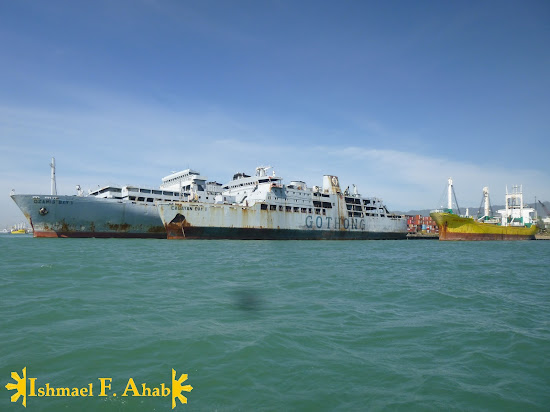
394,96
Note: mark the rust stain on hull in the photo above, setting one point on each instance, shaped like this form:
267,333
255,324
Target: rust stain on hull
119,235
64,226
122,227
44,234
445,235
156,229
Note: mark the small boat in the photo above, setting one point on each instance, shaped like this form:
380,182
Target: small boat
18,230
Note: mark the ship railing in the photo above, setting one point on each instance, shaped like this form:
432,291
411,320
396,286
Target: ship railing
443,211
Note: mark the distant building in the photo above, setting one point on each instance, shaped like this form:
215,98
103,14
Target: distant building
421,224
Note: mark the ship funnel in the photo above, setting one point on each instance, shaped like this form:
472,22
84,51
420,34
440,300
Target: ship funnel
331,184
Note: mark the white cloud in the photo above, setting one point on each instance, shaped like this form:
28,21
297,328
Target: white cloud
416,181
116,140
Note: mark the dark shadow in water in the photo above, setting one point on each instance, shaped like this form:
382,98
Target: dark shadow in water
248,300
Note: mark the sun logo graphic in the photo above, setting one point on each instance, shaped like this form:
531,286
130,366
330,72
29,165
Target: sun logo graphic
20,386
177,388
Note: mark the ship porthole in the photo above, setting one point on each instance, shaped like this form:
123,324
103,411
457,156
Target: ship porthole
43,211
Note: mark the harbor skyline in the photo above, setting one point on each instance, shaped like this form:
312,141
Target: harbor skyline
392,97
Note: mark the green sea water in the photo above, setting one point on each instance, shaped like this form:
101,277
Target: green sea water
278,325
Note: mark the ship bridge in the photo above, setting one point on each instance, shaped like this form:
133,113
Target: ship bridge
173,181
242,180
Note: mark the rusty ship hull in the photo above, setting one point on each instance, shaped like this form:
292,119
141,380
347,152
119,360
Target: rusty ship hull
184,220
262,207
453,227
77,217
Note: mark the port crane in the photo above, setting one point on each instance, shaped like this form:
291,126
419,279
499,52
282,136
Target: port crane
545,208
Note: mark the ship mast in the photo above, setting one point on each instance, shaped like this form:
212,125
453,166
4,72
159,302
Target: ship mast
54,187
486,200
450,195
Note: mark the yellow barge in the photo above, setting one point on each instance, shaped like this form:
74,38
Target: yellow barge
515,222
454,227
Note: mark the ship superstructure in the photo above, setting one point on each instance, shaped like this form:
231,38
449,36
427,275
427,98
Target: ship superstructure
262,207
515,212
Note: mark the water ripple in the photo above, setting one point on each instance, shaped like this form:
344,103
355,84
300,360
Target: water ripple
282,325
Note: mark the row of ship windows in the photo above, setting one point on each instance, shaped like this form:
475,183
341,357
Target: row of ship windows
149,199
318,211
315,203
143,199
263,206
329,205
357,201
174,179
269,197
159,192
251,183
359,214
360,208
289,192
290,197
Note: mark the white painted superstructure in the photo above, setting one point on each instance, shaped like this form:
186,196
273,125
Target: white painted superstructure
515,214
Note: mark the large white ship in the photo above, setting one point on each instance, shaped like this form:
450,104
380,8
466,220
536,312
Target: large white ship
108,211
262,207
